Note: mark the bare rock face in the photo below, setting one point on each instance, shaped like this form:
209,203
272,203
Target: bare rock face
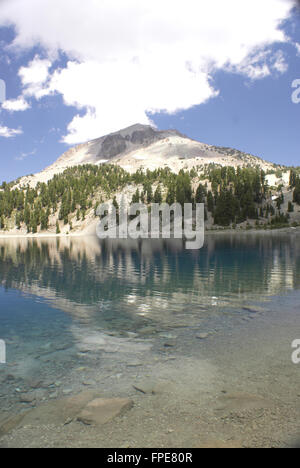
148,136
102,410
112,146
129,139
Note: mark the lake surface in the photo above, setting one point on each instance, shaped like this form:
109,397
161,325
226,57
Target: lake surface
115,285
71,308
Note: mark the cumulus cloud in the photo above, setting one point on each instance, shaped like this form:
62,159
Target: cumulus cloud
16,105
117,95
34,77
128,60
6,132
262,64
280,63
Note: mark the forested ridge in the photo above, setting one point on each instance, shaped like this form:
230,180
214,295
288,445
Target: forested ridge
231,195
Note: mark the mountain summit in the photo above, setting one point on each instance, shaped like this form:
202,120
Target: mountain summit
142,146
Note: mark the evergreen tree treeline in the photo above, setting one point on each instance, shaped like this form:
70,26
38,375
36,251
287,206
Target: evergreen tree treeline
234,195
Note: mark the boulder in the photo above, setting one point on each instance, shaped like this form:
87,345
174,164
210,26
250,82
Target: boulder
9,422
59,411
102,410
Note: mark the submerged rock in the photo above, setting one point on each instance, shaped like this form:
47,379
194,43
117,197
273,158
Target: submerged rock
9,422
35,383
27,397
85,407
102,410
203,336
59,411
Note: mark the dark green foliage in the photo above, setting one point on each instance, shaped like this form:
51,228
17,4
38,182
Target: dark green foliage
210,202
296,195
136,197
158,195
201,194
149,192
171,197
116,205
280,201
280,220
235,195
290,207
183,188
227,208
293,178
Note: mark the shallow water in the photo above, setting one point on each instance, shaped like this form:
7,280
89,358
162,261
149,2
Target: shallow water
51,287
78,312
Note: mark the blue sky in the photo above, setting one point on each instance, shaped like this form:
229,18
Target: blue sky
70,82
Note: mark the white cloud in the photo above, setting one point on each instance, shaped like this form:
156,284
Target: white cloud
6,132
34,77
114,102
280,63
262,64
16,105
36,72
128,59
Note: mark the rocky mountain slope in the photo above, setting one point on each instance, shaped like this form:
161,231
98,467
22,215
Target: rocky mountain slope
143,146
258,194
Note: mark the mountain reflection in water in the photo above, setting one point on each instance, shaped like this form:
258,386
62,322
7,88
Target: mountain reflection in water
116,283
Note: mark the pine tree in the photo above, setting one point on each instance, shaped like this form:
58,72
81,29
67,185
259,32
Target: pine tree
210,202
136,197
18,220
296,194
290,207
171,196
149,194
293,178
158,196
200,194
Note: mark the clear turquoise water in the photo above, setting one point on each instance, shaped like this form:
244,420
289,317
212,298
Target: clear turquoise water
61,297
115,286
